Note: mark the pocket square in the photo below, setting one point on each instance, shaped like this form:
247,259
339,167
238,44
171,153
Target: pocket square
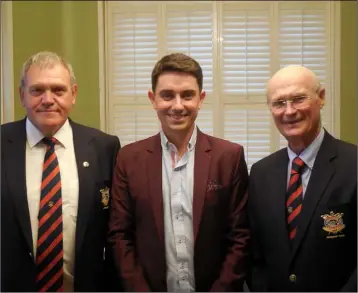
213,185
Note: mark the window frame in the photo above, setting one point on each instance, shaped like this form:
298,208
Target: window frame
334,56
7,70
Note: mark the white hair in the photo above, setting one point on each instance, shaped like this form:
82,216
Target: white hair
46,59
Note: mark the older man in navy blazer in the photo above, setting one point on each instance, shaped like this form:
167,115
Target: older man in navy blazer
55,189
303,198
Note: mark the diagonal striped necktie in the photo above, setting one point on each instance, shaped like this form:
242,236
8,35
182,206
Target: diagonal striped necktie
294,196
49,255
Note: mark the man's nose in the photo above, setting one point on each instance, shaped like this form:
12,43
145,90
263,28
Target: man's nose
47,97
290,109
178,102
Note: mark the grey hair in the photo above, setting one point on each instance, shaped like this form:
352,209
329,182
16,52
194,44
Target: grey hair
46,59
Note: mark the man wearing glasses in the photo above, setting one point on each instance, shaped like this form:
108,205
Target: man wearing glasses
303,198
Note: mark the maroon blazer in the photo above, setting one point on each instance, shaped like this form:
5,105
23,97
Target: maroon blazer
221,233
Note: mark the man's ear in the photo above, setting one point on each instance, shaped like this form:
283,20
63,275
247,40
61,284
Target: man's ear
322,97
74,90
151,97
202,98
22,96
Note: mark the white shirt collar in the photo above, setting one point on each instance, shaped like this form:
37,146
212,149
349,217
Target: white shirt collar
309,154
34,135
165,142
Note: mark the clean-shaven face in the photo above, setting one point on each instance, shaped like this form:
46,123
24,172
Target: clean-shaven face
177,100
48,97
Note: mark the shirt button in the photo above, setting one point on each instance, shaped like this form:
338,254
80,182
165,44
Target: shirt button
289,209
293,278
181,240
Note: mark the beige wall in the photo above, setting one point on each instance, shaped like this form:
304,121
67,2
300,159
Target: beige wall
71,29
349,71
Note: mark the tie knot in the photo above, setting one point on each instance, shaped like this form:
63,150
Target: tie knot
297,165
49,141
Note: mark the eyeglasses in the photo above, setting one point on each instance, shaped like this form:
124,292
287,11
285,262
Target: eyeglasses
299,103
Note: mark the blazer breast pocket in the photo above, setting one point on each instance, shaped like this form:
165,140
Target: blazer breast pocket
215,192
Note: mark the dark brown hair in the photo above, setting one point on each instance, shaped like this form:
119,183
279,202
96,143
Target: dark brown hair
177,62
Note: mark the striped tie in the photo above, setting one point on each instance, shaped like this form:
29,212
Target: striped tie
49,255
294,196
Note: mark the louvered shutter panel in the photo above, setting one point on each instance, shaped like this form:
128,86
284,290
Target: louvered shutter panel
246,50
304,39
239,45
251,129
133,51
189,30
245,71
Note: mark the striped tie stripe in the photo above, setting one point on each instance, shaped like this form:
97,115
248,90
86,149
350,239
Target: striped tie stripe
49,255
294,196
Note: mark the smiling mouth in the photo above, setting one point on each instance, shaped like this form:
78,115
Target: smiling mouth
48,112
291,122
177,117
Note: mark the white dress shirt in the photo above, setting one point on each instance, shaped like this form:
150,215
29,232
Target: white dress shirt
308,155
35,154
177,185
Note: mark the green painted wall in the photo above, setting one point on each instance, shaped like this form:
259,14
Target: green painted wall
69,28
349,71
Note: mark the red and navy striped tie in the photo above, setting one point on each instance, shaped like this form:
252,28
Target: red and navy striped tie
49,255
294,196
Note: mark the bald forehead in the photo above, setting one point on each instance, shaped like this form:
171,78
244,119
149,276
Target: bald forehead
293,75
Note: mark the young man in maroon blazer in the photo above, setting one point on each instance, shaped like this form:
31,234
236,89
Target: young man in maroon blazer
178,216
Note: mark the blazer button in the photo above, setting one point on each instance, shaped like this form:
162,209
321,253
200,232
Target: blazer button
293,278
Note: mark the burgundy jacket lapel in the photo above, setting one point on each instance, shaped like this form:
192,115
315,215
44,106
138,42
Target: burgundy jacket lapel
153,170
201,173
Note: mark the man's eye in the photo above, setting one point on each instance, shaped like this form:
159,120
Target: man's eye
59,92
166,96
36,91
187,96
299,100
279,103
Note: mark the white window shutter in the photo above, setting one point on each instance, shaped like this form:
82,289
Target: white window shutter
189,30
132,52
251,129
304,39
245,51
239,45
245,71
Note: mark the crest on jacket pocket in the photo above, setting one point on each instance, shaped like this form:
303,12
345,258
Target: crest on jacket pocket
105,197
333,224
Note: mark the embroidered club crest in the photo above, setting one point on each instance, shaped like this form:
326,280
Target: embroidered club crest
333,224
105,197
